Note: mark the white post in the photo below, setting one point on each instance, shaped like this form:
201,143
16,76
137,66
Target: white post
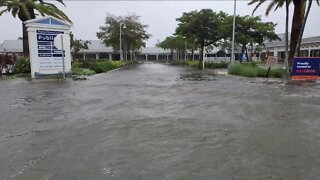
203,56
63,67
121,55
233,30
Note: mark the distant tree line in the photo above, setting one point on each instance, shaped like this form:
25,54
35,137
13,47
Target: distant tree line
206,29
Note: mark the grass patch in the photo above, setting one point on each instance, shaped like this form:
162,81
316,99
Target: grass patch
249,70
211,65
82,71
9,77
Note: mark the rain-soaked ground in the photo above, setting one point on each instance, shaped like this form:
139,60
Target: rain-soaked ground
154,121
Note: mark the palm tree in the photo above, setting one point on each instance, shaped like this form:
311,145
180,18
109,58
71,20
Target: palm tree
286,59
297,21
297,53
29,9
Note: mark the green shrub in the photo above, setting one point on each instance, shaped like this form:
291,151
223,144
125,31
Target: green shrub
261,72
104,66
277,73
249,70
22,66
98,66
81,71
193,63
216,65
179,62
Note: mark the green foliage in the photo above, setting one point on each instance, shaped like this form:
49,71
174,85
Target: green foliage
212,65
22,66
82,71
28,9
193,63
215,65
172,43
105,66
203,27
249,70
77,44
89,67
179,63
277,73
133,36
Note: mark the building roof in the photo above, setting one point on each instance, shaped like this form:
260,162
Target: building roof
14,46
282,43
153,50
97,46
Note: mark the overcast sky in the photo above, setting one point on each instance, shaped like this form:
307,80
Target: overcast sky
87,16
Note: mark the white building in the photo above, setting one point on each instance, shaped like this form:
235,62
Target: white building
310,47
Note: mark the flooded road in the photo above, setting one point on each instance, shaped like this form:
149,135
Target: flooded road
154,121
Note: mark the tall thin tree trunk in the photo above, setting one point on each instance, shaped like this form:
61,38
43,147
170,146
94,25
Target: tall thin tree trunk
201,56
297,22
25,41
251,52
288,70
302,28
246,50
242,52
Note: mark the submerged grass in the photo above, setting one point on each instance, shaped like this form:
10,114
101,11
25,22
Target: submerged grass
90,67
192,63
252,70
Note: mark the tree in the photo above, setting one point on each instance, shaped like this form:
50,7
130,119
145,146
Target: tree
77,45
297,51
298,20
29,9
175,43
203,26
286,52
133,36
250,31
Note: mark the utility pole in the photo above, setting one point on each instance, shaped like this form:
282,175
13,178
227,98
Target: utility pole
233,30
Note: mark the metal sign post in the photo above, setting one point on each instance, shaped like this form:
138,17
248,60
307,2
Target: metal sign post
63,63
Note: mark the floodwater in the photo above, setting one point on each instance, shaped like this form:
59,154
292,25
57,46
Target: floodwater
154,121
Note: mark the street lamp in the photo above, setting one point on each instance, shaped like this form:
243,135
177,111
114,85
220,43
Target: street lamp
121,54
233,30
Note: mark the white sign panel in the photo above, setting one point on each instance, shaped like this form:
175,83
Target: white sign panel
46,56
49,55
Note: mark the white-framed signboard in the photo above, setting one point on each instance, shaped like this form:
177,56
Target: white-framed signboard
46,58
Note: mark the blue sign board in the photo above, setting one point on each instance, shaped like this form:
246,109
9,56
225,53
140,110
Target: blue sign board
305,68
46,46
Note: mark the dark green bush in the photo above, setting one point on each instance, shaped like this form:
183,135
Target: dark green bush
22,66
216,65
81,71
277,73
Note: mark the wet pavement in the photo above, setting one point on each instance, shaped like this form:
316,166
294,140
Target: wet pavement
154,121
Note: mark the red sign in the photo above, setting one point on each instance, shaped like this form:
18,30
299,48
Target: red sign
271,61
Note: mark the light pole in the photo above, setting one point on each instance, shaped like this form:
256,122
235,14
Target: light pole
121,54
233,30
